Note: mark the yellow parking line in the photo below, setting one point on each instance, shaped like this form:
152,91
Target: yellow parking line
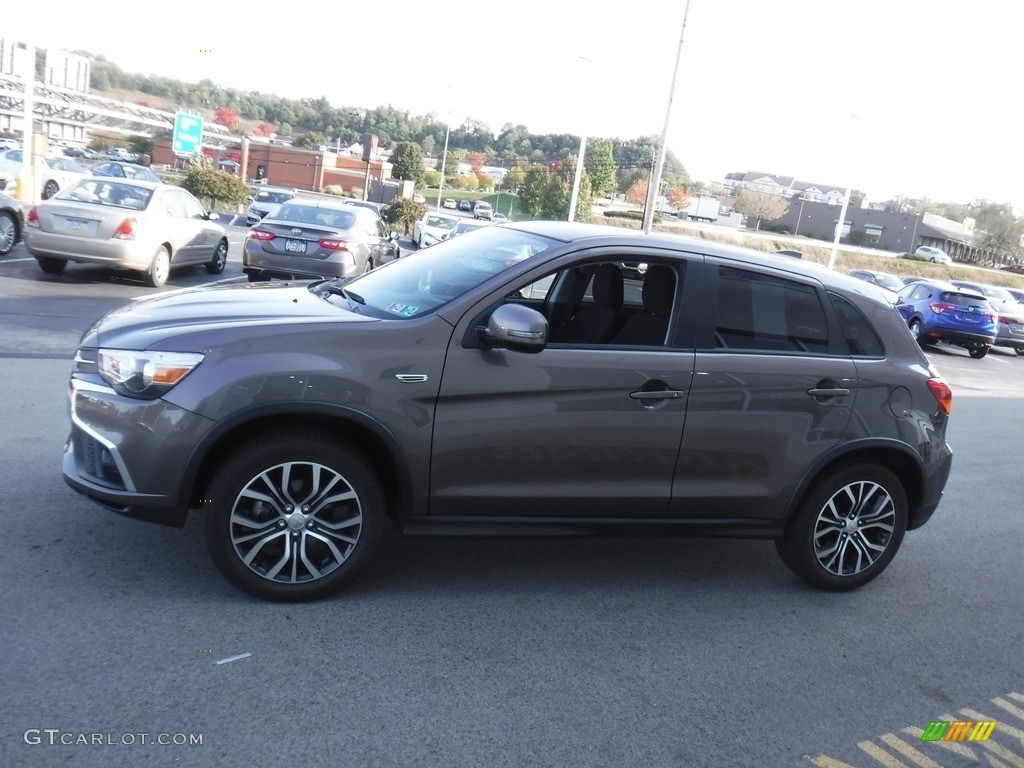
879,754
1004,753
1004,704
952,746
919,758
1002,727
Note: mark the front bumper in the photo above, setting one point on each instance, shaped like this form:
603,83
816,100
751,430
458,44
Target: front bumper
131,456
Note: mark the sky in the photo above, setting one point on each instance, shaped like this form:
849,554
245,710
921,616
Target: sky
892,97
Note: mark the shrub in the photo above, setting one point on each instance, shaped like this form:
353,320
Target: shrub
334,189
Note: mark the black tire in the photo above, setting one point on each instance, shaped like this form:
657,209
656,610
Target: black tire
1019,350
256,277
9,233
50,189
314,467
220,259
978,352
50,265
847,528
159,269
915,331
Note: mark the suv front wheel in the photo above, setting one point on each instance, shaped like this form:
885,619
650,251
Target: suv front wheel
293,516
847,529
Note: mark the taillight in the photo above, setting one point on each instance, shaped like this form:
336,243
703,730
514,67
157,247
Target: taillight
333,245
125,230
942,393
938,307
32,220
261,234
1006,320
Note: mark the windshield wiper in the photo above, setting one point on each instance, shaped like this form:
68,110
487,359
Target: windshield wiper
333,288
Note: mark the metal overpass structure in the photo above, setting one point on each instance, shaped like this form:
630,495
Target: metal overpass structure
59,108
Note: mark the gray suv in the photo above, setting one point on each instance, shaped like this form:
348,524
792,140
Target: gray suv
536,378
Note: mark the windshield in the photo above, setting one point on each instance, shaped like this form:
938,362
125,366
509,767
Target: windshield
421,283
263,196
441,222
891,282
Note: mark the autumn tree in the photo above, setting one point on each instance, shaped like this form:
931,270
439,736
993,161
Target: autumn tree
678,197
227,117
265,129
407,161
761,206
476,161
637,192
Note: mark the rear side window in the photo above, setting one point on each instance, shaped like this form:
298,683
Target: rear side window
860,337
764,313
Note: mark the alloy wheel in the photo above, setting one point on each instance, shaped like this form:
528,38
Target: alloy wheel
854,528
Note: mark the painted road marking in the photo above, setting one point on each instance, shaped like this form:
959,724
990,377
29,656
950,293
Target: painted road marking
896,752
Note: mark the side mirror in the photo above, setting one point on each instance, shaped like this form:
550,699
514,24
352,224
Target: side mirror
212,216
394,235
515,327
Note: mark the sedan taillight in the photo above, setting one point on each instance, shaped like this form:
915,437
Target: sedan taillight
333,245
125,230
32,220
938,307
261,234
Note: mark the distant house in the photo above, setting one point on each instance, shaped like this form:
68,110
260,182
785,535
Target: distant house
785,186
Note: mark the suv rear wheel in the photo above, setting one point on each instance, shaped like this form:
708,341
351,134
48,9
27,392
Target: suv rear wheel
293,516
847,529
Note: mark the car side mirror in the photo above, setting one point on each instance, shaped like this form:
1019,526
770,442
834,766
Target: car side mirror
515,327
212,216
394,235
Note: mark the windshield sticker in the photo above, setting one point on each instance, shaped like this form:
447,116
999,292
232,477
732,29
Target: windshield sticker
405,310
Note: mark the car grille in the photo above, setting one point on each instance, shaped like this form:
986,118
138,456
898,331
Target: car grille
98,463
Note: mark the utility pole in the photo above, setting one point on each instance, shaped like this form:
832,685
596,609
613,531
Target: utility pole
654,186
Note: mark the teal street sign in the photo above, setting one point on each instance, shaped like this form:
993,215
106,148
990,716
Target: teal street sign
188,134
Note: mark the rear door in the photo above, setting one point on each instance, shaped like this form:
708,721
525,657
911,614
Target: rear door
771,392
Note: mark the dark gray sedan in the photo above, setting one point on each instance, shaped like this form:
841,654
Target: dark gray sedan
311,239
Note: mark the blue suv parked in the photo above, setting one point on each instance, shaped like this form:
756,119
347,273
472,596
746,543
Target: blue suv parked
939,311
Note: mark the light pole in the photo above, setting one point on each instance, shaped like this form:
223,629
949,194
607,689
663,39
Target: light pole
444,160
842,216
659,164
578,177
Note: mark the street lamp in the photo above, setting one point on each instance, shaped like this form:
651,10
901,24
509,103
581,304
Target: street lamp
575,196
444,161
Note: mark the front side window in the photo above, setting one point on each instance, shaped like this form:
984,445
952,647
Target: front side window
763,313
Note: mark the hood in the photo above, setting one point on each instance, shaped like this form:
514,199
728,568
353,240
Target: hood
145,323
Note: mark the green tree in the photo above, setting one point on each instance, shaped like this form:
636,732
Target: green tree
514,179
312,139
213,186
403,213
407,161
533,189
600,166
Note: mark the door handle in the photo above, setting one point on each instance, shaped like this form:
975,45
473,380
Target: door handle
657,394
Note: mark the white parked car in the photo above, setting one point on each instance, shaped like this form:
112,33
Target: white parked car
934,255
433,228
54,173
449,203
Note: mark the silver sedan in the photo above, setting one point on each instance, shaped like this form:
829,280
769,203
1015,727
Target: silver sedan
127,224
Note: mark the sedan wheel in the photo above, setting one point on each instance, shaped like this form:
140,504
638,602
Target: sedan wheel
50,189
220,259
977,352
159,269
50,265
916,331
8,232
848,528
293,516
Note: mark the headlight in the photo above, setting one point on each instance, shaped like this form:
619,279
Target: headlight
145,375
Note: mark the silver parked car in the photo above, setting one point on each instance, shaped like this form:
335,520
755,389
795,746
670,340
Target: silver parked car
714,391
310,238
266,201
137,225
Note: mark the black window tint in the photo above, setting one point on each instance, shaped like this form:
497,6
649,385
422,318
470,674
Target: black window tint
763,313
860,337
